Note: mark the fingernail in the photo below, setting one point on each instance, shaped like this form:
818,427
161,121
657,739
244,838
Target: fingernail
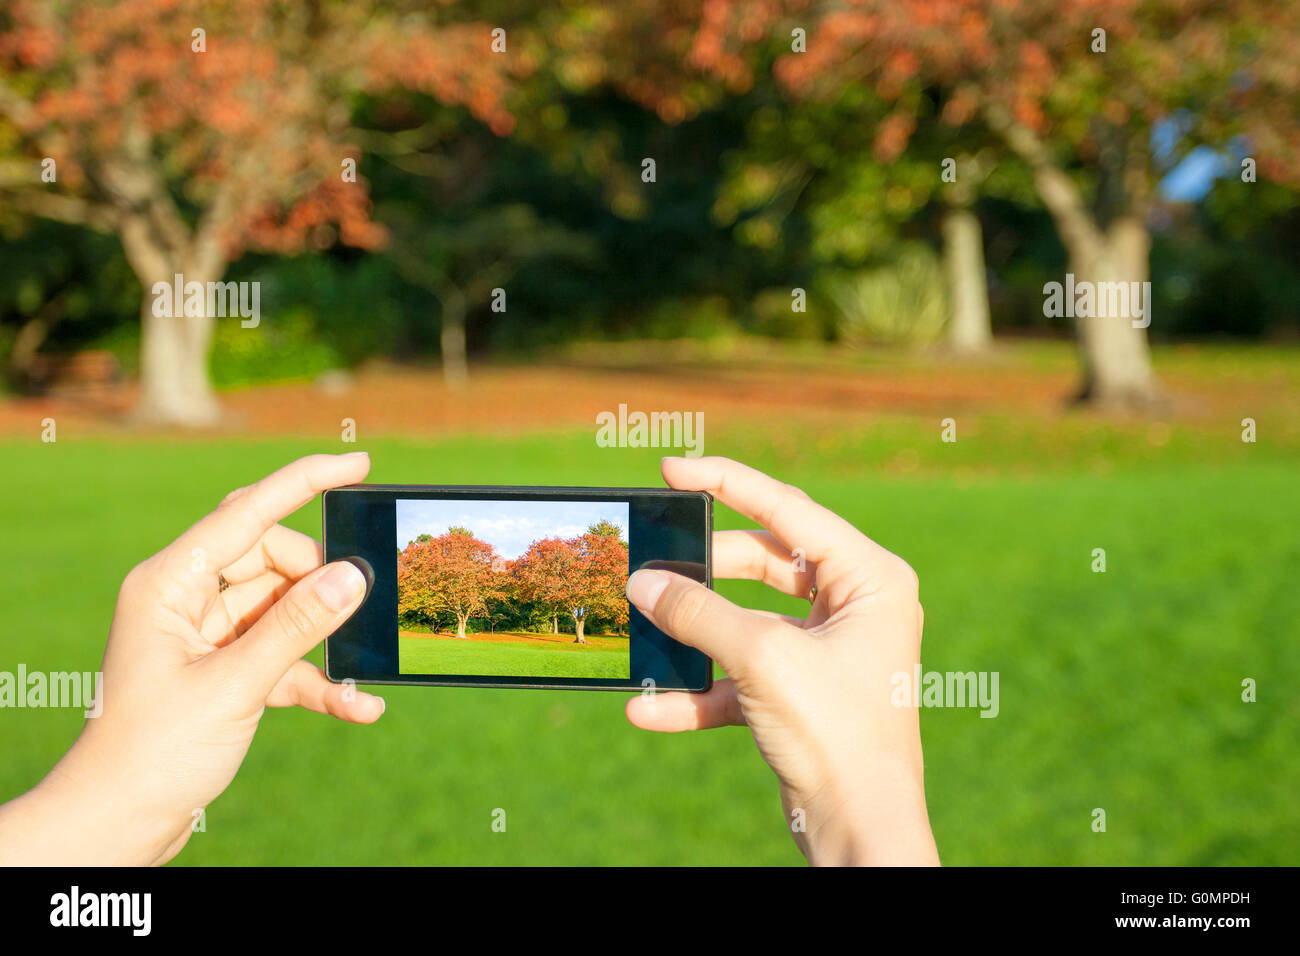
355,454
644,588
340,585
383,704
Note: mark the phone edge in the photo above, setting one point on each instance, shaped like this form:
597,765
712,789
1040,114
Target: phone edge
708,582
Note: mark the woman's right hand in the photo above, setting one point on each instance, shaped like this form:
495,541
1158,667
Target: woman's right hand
815,693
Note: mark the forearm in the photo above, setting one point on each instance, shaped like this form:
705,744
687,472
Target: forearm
62,822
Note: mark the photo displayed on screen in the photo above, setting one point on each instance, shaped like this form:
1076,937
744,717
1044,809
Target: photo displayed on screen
512,588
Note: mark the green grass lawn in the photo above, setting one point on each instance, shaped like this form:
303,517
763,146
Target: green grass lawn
1119,690
423,655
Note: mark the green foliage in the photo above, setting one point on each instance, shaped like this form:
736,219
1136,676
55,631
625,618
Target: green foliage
772,314
754,198
703,317
356,305
761,192
1233,268
903,303
73,283
282,347
609,528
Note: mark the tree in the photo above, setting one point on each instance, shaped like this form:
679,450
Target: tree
1073,90
802,161
194,131
463,261
815,176
542,576
970,326
582,576
600,581
609,529
454,572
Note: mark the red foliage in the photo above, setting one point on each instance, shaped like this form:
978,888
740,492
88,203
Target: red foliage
1228,61
450,573
260,119
587,571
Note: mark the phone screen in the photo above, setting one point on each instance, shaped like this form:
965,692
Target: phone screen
514,587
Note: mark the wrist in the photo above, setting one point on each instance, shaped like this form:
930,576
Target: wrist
873,819
79,815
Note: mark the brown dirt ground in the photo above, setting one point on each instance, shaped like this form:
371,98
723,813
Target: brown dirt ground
760,387
564,641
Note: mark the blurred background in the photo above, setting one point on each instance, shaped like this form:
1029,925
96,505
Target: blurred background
829,228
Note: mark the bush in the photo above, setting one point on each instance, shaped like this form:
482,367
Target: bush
774,315
702,317
903,303
281,347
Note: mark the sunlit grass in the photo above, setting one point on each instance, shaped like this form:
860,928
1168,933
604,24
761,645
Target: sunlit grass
1119,691
518,658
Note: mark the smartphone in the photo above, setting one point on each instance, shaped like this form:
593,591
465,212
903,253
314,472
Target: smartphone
513,587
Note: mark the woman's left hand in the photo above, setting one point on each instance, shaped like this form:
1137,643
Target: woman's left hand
188,672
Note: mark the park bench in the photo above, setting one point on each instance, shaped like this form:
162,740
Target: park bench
89,374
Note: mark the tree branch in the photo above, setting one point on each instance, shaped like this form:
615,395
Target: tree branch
1058,192
22,114
60,207
16,107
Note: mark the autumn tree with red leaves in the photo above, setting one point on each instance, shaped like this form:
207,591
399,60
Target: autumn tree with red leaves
542,574
196,130
453,573
1071,90
587,573
599,586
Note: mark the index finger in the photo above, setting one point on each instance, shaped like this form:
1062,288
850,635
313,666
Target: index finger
794,519
239,522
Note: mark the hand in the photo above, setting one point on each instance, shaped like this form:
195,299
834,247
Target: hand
188,672
815,693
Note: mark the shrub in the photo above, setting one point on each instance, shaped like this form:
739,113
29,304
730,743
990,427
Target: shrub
902,303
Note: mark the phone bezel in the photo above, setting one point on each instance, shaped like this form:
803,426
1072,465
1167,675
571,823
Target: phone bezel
535,493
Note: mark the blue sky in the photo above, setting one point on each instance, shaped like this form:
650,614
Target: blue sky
1194,174
509,526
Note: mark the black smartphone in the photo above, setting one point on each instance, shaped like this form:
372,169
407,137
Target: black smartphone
514,587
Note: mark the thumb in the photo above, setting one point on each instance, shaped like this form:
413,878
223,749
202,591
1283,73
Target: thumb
689,612
308,613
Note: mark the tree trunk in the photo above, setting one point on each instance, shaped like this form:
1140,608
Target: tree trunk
555,623
27,343
969,328
175,386
455,368
579,625
460,625
1116,356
